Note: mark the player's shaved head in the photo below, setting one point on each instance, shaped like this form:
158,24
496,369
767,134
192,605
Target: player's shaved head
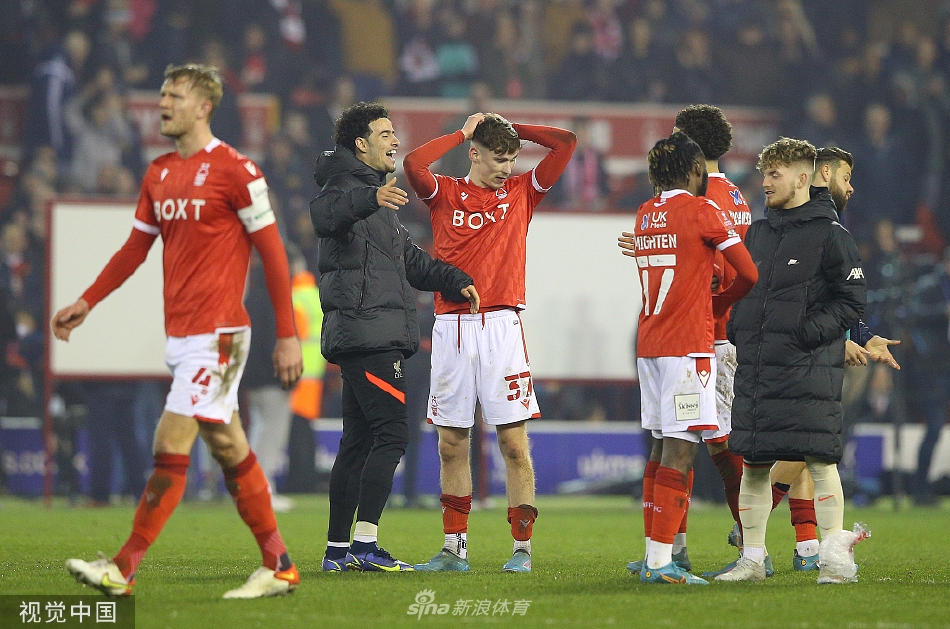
205,79
497,135
354,123
672,159
788,152
707,126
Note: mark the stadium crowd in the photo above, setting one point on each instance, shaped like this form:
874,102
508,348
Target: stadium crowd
876,80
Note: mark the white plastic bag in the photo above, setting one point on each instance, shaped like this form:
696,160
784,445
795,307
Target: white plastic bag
836,555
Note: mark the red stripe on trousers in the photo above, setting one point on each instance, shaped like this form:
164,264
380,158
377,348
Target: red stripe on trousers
385,386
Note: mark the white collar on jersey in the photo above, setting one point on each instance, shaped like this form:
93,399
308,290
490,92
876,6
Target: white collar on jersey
669,194
719,175
213,144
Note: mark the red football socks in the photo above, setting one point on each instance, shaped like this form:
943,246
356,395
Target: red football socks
162,494
803,519
522,520
670,493
779,491
248,486
730,470
649,479
689,494
455,510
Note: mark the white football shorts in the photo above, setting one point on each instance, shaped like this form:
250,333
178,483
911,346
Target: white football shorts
678,397
726,364
206,371
484,357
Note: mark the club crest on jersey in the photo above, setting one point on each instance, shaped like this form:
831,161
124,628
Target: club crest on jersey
202,173
397,369
501,193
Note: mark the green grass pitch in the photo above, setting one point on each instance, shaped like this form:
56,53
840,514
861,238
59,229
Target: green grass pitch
581,546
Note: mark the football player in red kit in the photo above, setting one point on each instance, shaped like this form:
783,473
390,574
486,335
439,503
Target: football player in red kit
674,242
210,204
480,224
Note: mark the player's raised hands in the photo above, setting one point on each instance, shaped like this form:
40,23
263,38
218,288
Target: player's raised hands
626,243
471,295
390,196
68,318
288,361
468,129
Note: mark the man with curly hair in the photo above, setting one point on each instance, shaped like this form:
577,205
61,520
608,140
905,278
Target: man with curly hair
480,223
368,268
706,125
789,334
675,240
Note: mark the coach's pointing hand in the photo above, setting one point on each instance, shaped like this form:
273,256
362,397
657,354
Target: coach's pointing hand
68,318
390,196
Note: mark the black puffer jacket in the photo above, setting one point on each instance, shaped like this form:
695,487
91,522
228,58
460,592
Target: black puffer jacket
789,333
369,264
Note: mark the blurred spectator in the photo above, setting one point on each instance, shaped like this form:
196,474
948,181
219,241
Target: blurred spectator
694,75
116,49
457,59
505,72
641,70
268,405
821,126
321,118
369,45
110,422
741,59
257,69
289,179
930,334
226,124
307,395
884,172
584,185
53,84
578,77
417,60
560,19
103,133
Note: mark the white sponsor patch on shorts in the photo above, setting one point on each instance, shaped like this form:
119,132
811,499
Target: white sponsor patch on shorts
687,407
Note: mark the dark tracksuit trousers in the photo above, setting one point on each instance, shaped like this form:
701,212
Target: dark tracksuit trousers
375,435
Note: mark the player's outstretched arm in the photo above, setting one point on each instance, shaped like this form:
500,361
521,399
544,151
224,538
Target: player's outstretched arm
68,318
119,268
560,141
288,360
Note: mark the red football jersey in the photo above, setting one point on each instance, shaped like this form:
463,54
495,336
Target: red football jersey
483,232
728,197
204,207
676,237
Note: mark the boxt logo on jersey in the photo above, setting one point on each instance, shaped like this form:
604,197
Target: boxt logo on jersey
477,220
177,209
